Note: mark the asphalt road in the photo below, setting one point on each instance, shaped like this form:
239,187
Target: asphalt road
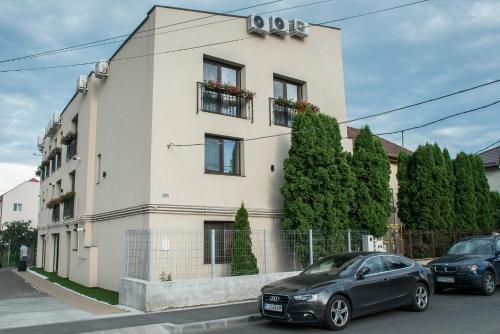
22,305
450,313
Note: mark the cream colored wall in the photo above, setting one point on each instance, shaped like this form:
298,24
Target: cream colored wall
394,219
493,176
26,194
178,171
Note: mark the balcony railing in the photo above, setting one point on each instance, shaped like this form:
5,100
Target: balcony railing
223,103
279,114
56,212
69,209
71,149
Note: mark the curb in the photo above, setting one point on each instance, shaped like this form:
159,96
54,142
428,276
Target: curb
214,324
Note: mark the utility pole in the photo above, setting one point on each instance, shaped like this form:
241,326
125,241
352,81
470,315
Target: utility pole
8,256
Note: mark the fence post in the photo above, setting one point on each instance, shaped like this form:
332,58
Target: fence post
410,244
150,255
8,258
126,254
311,255
349,245
265,253
212,253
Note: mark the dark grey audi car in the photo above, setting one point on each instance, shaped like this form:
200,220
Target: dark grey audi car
344,286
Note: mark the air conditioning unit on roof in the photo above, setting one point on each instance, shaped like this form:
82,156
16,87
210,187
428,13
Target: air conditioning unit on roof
81,84
102,69
258,24
299,28
278,25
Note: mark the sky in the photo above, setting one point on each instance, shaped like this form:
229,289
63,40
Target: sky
390,60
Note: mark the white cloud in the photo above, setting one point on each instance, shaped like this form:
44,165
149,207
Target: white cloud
14,174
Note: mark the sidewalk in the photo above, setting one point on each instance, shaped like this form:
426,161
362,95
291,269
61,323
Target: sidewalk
182,321
83,303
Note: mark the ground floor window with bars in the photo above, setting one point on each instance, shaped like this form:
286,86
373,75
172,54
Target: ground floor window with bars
223,241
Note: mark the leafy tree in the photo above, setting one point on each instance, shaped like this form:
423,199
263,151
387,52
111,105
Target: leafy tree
482,193
451,184
371,207
243,261
495,209
16,232
317,189
442,192
465,199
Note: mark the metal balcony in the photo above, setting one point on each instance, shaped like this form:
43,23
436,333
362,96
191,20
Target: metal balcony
223,103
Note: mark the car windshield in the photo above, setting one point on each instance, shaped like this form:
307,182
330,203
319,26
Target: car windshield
472,246
338,265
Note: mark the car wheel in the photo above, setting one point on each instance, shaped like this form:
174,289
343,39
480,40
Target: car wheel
420,298
338,313
488,287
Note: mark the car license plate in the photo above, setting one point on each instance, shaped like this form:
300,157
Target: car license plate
273,307
446,279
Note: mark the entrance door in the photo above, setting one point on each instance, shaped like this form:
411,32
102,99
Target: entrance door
56,253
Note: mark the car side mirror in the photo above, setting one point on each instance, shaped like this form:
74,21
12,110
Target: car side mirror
362,272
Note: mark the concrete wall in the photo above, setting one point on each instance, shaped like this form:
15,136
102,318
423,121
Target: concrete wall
26,194
493,176
156,296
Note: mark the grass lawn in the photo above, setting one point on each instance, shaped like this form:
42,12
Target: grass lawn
104,295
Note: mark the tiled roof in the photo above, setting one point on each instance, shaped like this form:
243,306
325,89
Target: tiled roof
33,180
392,150
491,158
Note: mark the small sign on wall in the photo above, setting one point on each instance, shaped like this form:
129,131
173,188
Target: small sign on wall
165,245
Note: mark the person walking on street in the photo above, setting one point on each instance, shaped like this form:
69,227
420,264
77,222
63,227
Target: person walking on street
23,250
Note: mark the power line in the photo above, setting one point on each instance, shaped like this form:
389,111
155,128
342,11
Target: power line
143,31
375,12
440,119
423,102
170,51
85,46
487,147
376,134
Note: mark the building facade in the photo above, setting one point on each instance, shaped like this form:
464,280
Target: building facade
157,144
491,161
20,203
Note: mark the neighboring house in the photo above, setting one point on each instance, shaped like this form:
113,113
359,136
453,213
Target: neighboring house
109,155
392,150
491,160
20,203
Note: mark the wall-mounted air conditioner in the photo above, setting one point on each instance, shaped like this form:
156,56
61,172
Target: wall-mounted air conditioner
258,24
102,69
81,84
278,25
299,28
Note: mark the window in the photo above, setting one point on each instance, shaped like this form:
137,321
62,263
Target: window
53,164
396,262
498,246
18,207
59,157
222,155
222,102
223,239
375,264
221,72
288,90
98,171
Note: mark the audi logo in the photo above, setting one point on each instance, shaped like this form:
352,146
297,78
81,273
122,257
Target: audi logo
274,299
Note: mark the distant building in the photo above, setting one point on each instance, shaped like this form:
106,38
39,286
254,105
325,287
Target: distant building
20,203
491,160
392,150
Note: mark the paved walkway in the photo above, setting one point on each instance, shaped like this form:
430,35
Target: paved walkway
22,305
83,303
